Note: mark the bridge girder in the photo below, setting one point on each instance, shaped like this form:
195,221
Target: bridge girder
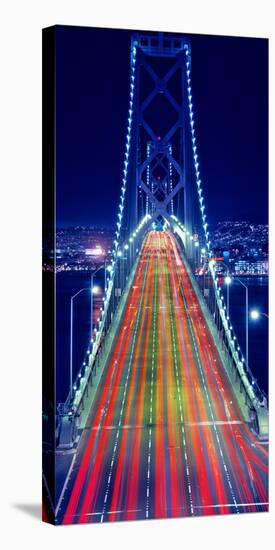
160,178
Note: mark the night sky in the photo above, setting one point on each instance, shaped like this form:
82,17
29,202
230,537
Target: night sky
230,91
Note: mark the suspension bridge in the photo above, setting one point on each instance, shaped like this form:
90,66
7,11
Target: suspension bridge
165,418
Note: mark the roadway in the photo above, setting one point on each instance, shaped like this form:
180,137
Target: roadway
165,436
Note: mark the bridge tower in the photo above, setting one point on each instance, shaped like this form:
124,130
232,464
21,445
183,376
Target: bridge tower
161,171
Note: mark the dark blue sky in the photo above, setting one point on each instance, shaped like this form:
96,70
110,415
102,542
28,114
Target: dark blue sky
230,91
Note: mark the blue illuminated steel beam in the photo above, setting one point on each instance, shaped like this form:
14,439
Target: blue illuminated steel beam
171,152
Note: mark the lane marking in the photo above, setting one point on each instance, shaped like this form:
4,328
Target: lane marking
137,322
187,469
233,505
65,485
151,398
113,512
195,346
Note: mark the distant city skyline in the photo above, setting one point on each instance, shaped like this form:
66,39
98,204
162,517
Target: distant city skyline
110,227
244,245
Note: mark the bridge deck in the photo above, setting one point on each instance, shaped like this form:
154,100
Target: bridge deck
165,436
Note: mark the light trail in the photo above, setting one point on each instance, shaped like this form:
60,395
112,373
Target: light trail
165,436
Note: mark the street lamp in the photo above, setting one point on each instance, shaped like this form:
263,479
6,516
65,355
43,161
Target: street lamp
120,269
255,314
246,317
228,280
93,290
93,273
128,268
197,254
131,250
71,336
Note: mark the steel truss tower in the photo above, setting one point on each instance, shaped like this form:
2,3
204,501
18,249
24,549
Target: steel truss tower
161,171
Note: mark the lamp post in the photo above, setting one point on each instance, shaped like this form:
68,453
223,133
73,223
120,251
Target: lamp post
105,276
120,268
246,315
92,290
131,250
71,337
197,254
126,248
202,260
191,248
228,281
109,269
